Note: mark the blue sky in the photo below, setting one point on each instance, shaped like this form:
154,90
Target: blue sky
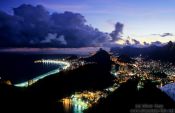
141,18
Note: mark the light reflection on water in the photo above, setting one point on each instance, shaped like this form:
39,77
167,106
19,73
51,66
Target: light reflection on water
67,104
78,108
80,101
70,107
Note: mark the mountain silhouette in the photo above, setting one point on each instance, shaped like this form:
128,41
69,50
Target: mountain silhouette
152,52
127,97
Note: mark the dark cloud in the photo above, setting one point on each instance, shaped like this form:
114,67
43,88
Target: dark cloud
34,26
136,42
116,34
9,29
132,42
51,38
164,34
127,42
26,27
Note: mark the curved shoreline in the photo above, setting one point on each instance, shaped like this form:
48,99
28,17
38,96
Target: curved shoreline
63,64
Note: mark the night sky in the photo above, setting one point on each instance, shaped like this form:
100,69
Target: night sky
87,23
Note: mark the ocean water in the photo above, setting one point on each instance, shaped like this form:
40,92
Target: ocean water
18,67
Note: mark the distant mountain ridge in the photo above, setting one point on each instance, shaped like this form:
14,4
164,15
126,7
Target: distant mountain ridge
151,52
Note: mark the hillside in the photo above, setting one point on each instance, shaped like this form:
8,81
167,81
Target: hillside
127,98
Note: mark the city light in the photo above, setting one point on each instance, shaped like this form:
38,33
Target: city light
82,100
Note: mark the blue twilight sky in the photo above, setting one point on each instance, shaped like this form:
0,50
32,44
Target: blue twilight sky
141,18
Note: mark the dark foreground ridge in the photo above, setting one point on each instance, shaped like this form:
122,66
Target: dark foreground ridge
43,96
127,98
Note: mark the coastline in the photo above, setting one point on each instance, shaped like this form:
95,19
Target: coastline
63,64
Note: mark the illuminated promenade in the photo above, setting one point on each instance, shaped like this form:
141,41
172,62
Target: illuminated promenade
63,64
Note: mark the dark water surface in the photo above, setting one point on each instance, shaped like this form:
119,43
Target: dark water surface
19,67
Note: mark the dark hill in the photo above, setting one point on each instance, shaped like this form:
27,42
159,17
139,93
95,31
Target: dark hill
127,96
43,95
100,57
72,57
125,58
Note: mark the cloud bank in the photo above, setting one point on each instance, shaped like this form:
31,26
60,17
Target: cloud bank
34,26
